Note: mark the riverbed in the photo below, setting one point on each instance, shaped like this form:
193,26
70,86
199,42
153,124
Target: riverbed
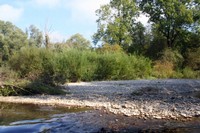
160,99
31,118
171,105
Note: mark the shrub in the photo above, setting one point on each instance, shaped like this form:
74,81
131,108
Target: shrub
163,69
141,66
193,59
7,75
27,62
89,62
189,73
115,66
173,56
77,65
110,48
57,67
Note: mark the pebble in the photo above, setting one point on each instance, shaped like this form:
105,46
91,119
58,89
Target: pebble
162,100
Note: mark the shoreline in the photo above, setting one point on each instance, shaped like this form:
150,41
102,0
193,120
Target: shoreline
159,99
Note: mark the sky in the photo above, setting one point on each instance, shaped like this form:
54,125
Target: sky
62,18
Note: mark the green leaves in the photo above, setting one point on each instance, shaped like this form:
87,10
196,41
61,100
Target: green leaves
78,41
35,36
170,17
11,39
115,23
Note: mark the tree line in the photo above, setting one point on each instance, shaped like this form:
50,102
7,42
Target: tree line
173,32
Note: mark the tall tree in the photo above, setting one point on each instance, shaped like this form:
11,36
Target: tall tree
11,39
78,41
170,17
116,23
139,38
35,36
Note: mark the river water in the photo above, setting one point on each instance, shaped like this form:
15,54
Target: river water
28,118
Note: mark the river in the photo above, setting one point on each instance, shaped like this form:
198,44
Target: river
29,118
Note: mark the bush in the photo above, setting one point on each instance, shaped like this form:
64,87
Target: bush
193,59
24,87
189,73
27,62
163,69
173,56
77,65
8,75
57,67
117,66
107,48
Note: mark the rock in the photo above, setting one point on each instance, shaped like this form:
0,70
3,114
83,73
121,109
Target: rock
115,106
157,117
184,114
197,113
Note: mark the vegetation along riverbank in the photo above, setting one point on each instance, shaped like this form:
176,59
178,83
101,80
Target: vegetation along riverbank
33,68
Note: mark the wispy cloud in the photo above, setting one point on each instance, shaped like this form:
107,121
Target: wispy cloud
10,13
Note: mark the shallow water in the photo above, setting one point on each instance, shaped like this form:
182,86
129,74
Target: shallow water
26,118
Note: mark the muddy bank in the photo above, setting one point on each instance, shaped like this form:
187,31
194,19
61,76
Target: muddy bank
160,99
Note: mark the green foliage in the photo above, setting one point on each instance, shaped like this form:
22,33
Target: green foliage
168,64
35,36
39,64
57,67
78,41
12,84
38,87
170,17
173,56
24,87
116,23
193,59
8,75
139,38
110,48
163,69
5,91
11,39
27,62
189,73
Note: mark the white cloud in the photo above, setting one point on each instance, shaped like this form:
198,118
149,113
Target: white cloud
9,13
49,3
84,10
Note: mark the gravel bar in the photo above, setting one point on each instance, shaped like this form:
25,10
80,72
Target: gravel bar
161,99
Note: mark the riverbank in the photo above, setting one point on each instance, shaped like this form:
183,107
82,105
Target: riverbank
161,99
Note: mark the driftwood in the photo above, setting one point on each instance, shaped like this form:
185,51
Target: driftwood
15,89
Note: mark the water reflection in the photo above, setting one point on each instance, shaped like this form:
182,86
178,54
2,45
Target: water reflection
10,112
27,118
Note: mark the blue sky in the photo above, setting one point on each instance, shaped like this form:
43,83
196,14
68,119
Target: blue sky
63,18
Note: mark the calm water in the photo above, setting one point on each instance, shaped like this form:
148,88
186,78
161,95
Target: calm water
26,118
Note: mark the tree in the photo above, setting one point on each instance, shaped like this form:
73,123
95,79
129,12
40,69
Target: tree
170,17
11,39
139,39
35,36
116,23
78,41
